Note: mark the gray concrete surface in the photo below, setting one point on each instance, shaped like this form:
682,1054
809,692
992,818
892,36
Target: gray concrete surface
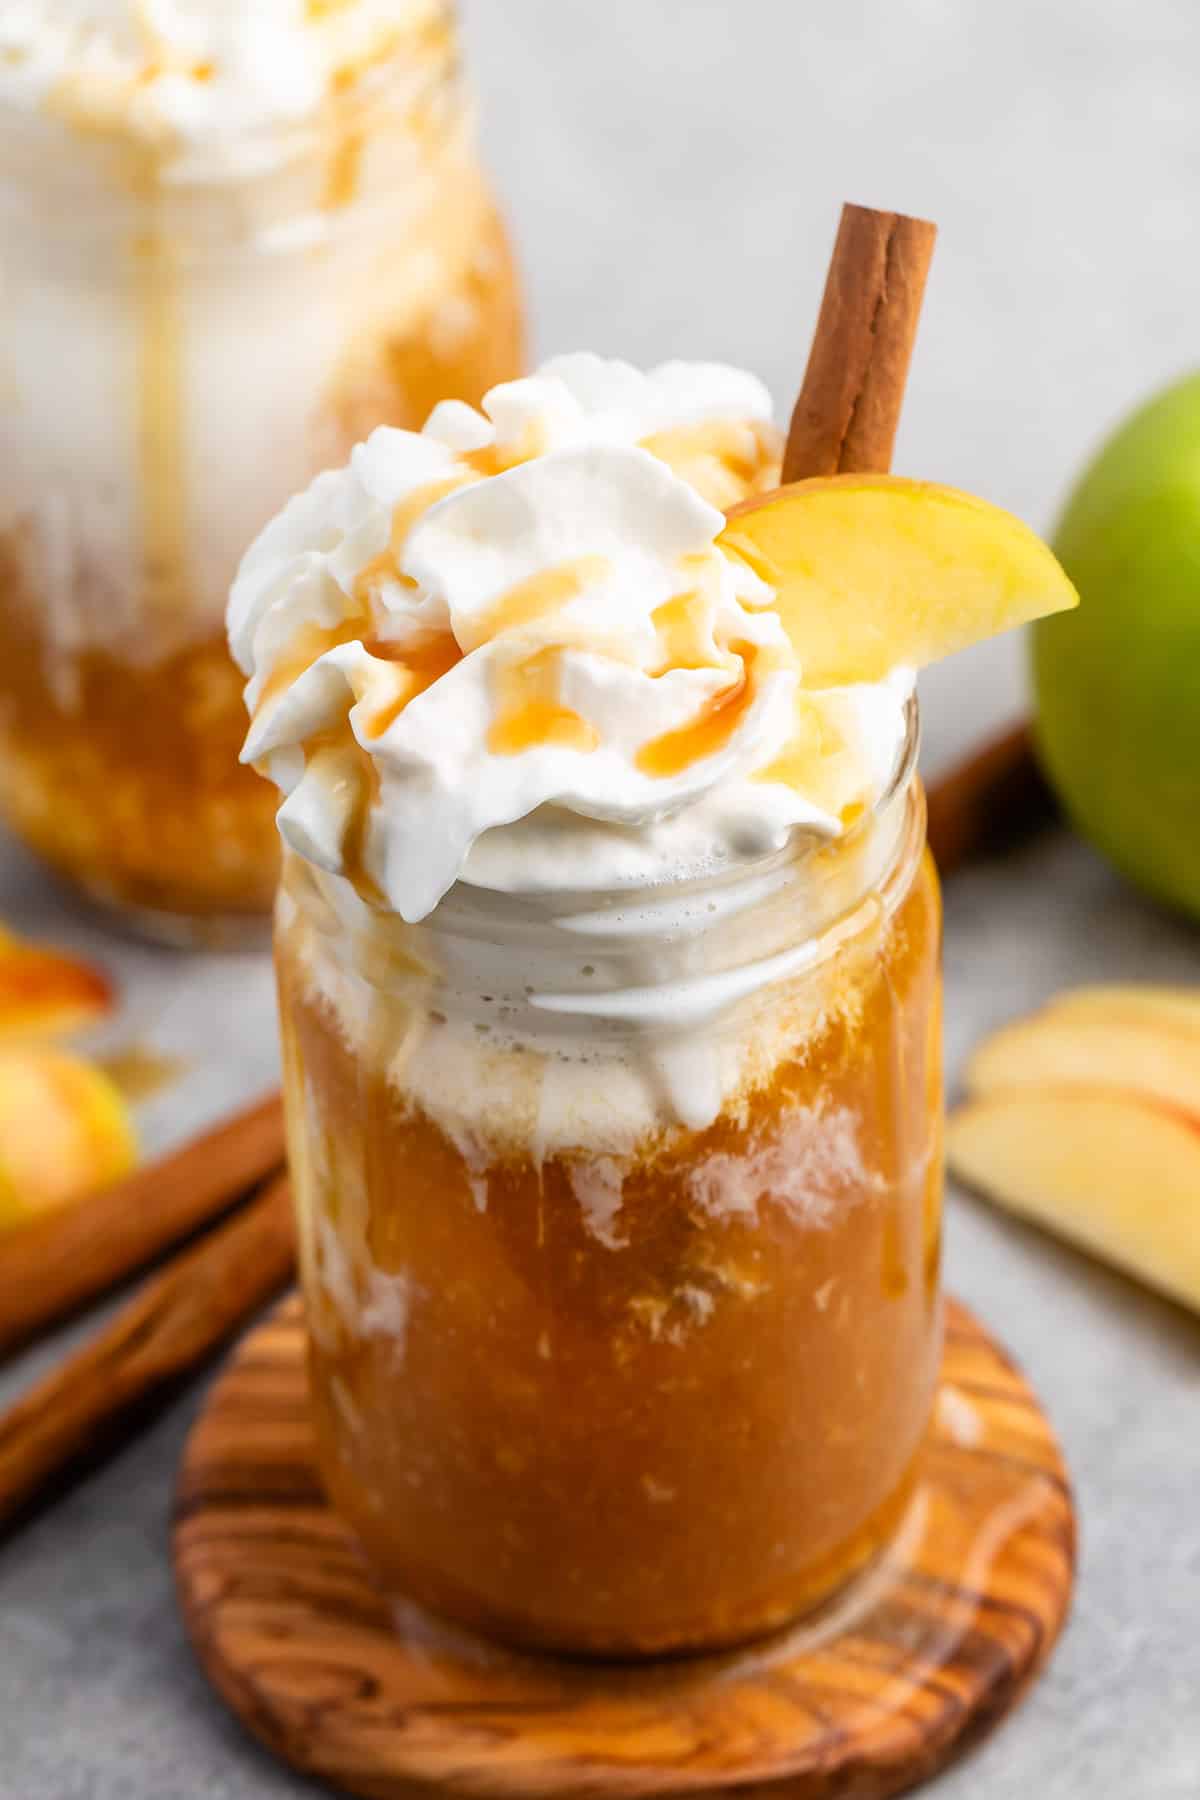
675,173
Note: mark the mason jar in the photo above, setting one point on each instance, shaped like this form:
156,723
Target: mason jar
189,335
619,1233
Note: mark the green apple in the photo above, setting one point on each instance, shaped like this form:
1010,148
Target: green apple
1118,681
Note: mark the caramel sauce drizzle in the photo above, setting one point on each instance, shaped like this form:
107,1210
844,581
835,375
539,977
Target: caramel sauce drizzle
537,596
530,714
492,459
160,393
415,667
711,729
354,839
311,641
161,423
422,661
683,622
406,513
344,167
373,574
97,108
333,750
417,664
529,709
415,505
723,459
347,111
732,443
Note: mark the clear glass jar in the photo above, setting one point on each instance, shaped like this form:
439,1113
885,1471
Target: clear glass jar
181,353
619,1223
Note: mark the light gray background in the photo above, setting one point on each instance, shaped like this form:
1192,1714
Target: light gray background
674,173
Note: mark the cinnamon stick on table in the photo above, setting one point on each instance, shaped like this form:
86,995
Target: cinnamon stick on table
169,1328
992,796
50,1267
846,416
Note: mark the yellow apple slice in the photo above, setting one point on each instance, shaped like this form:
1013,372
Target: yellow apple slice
64,1130
1130,1054
1110,1172
45,993
1174,1008
873,572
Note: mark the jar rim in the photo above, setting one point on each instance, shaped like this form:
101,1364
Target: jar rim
674,976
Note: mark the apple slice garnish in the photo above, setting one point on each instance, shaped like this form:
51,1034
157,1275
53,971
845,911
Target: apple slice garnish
47,994
64,1130
874,572
1109,1171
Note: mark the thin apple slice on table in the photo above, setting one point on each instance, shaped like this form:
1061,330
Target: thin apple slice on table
1114,1173
874,572
45,993
64,1130
1127,1053
1086,1118
1173,1008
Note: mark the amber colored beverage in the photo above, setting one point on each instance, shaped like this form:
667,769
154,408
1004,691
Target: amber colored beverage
182,357
623,1343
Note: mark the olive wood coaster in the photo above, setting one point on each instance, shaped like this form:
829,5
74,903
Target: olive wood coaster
928,1650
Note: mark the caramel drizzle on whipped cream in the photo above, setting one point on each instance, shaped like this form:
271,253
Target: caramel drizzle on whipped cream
530,713
101,88
715,724
724,460
738,449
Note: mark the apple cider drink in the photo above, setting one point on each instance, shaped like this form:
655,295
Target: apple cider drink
235,239
608,965
601,1360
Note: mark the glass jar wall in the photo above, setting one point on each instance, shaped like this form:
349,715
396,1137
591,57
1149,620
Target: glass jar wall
185,345
619,1227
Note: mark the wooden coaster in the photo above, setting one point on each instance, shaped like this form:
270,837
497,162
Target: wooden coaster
928,1650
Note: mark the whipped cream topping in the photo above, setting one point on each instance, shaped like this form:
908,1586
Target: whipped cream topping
200,76
510,649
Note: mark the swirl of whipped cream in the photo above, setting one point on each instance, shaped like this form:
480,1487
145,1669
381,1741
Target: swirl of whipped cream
509,648
204,76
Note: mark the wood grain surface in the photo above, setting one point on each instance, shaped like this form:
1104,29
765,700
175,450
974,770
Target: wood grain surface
931,1648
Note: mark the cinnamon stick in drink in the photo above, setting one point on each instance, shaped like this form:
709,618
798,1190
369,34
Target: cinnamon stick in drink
49,1267
845,422
846,416
168,1329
